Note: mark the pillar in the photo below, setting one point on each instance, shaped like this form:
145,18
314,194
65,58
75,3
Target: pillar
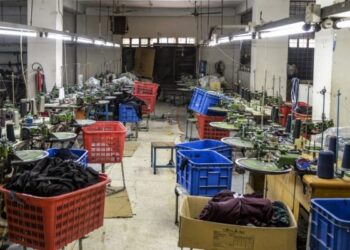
270,54
47,52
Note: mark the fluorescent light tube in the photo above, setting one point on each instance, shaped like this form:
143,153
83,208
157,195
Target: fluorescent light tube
343,24
10,32
99,42
212,43
285,30
59,36
223,40
117,45
109,44
84,40
242,37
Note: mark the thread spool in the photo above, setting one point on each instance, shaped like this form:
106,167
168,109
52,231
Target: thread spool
289,124
276,115
10,132
346,157
297,129
332,146
16,118
325,166
249,95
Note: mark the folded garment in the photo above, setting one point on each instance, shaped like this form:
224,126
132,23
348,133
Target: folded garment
51,177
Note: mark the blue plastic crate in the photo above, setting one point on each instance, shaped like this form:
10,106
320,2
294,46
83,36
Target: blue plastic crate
204,172
127,113
201,100
330,224
207,144
83,155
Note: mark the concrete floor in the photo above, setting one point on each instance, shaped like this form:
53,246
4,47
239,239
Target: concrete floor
152,196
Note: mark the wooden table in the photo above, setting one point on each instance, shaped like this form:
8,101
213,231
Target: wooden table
296,192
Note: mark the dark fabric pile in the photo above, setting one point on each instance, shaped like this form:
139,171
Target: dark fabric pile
226,207
51,177
66,154
128,98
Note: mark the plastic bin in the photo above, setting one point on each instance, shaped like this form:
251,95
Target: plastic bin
127,113
52,223
150,101
208,144
330,224
104,141
204,172
83,155
201,100
144,88
205,131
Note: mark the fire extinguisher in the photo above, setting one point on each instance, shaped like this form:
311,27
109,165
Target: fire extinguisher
39,78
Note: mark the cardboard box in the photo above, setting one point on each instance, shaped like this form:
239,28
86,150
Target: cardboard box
195,233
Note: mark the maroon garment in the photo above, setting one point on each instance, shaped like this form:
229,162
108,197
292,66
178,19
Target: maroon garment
225,195
239,211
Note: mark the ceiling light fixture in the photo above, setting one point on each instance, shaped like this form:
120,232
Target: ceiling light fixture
242,37
84,40
287,30
343,24
99,42
58,36
223,40
17,32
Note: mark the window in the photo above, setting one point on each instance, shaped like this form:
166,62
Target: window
311,43
182,40
144,42
153,41
163,40
135,42
293,43
126,42
191,40
303,43
171,40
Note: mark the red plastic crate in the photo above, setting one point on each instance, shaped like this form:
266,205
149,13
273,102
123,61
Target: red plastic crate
145,88
205,131
104,141
50,223
150,101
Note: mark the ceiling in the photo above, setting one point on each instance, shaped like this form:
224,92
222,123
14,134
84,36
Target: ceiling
159,3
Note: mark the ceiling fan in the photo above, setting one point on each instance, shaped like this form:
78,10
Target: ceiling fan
195,13
119,10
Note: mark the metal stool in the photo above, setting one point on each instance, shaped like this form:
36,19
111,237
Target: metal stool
161,145
102,109
191,122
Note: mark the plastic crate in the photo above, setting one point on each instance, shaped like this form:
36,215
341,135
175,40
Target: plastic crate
145,88
201,100
205,131
104,141
53,222
150,101
83,155
330,224
208,144
127,113
205,172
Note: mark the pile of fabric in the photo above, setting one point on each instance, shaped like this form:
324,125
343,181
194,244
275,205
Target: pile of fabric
230,208
51,177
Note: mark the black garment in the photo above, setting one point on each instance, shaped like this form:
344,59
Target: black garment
230,208
66,154
51,177
128,98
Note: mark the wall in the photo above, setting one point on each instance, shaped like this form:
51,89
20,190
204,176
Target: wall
340,77
270,55
94,60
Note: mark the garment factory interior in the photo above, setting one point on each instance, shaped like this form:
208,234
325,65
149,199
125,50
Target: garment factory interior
164,125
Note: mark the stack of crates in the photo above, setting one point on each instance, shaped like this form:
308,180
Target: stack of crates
204,167
200,103
148,93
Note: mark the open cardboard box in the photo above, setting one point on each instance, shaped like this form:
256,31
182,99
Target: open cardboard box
195,233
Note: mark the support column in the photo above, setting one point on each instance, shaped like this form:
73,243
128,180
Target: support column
47,52
269,54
